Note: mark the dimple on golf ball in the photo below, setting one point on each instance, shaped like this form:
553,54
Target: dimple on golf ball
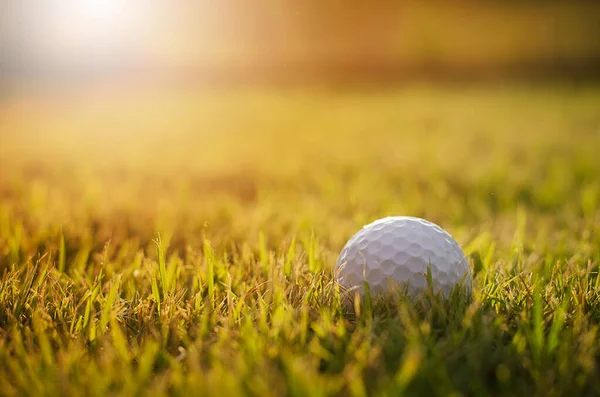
399,250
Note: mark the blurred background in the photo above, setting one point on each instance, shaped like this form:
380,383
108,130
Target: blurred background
77,42
128,117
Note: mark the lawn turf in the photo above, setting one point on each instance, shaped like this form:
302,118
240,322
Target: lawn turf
183,243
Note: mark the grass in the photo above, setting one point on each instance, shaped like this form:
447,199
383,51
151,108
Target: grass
183,243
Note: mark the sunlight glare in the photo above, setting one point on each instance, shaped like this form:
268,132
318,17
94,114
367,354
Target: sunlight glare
99,20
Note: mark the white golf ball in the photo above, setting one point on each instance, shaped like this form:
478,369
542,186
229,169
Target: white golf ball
397,251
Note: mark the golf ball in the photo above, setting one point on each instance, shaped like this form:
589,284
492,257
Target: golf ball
398,251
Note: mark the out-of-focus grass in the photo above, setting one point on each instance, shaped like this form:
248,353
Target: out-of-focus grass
183,243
